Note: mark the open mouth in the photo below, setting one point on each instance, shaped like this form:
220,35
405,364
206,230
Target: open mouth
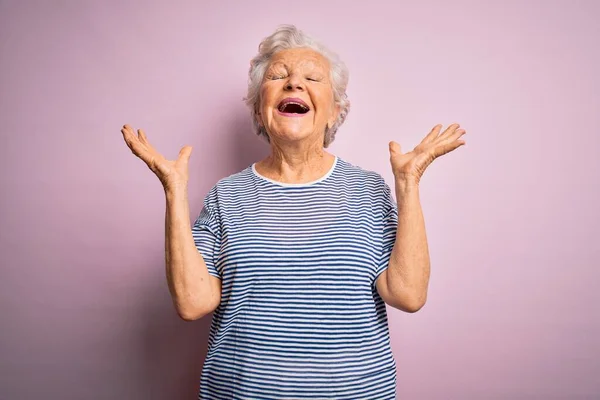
293,106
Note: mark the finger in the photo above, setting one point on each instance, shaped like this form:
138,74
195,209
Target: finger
129,129
184,154
144,140
142,136
447,148
135,146
395,149
450,130
458,134
128,136
453,136
125,129
432,135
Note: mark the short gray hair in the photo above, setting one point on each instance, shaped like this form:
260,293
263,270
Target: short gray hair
289,37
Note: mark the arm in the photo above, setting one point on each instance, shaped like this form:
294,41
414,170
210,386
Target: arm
404,284
194,291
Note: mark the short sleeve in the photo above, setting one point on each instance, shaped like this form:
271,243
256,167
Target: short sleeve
389,227
207,234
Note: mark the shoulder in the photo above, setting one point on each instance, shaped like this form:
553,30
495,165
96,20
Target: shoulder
368,185
235,181
229,187
365,177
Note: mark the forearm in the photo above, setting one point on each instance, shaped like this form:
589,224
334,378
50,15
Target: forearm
187,274
409,266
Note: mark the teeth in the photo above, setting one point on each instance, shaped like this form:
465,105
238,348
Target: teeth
282,107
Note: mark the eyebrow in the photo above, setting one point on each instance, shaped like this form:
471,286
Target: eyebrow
278,64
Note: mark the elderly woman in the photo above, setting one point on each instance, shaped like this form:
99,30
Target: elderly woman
298,253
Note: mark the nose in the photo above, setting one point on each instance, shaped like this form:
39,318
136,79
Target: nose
294,83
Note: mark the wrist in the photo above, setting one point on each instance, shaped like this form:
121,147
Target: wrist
406,184
175,191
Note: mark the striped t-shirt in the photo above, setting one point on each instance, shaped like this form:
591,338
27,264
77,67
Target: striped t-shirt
300,316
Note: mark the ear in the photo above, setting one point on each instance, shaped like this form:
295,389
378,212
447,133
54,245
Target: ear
258,118
334,115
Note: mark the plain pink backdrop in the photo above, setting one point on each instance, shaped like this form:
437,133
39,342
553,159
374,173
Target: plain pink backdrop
512,217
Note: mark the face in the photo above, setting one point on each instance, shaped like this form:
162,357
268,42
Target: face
296,96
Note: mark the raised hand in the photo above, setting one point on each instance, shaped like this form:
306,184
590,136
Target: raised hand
172,174
410,166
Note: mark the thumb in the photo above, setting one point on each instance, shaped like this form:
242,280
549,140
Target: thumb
184,154
395,149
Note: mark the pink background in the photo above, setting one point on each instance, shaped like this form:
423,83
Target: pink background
512,217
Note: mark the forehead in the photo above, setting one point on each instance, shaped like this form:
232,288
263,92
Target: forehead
300,57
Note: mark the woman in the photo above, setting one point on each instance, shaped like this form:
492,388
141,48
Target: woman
297,254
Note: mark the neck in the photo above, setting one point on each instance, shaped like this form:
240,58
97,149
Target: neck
290,163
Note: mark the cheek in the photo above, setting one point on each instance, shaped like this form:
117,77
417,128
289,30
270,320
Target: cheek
267,96
325,103
263,98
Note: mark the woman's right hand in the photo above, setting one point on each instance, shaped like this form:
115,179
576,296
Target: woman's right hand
172,174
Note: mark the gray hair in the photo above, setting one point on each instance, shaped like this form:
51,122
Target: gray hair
289,37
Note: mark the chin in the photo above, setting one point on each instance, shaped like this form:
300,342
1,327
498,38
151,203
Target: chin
288,134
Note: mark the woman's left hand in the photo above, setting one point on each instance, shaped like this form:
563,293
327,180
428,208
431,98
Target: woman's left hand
409,167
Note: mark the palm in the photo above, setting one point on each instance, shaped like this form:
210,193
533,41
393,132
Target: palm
412,165
170,172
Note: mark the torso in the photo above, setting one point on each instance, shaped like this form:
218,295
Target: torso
299,314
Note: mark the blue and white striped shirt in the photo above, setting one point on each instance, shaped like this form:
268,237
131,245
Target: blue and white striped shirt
300,316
